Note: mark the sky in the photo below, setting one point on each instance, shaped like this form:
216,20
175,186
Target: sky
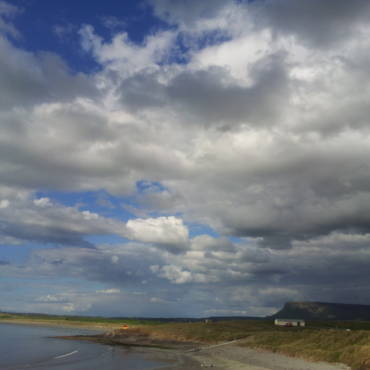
183,157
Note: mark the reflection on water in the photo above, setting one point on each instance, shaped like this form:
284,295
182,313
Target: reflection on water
30,347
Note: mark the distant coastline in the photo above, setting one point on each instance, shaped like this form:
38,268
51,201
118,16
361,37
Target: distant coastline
60,323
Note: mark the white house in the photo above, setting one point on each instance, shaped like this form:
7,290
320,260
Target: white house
290,322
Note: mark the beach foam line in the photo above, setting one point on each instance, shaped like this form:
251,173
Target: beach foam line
66,355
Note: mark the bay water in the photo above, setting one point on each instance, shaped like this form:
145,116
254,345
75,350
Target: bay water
31,347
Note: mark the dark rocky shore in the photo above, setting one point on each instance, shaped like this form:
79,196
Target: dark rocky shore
176,353
134,338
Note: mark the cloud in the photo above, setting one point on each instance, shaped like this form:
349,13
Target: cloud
251,118
4,203
122,55
28,78
64,31
208,21
317,22
169,232
29,219
213,97
246,278
113,23
109,291
185,11
7,12
42,202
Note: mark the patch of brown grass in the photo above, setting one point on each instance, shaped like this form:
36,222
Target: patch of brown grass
213,332
348,347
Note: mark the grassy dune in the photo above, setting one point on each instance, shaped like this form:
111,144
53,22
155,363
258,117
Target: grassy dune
351,348
318,344
208,333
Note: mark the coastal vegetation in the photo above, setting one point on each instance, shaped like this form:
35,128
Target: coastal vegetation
320,341
66,320
346,342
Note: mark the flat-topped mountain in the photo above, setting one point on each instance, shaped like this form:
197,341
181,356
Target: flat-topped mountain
324,311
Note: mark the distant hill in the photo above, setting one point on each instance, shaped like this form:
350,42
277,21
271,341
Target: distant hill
323,311
102,319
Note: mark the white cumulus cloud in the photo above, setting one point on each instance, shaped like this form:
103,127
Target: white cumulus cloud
166,231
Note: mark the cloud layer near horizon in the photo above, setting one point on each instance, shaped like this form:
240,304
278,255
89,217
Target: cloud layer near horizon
249,119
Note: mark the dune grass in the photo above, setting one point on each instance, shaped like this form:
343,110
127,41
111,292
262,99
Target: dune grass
213,332
348,347
317,344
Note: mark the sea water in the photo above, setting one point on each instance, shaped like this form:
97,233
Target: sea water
31,347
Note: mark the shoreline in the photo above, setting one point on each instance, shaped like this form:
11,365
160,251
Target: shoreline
222,356
183,355
60,324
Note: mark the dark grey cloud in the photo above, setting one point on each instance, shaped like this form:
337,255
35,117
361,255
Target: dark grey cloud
91,264
29,79
212,96
244,279
306,271
44,235
25,219
186,12
320,23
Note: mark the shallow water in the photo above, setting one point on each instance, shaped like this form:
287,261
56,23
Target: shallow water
30,347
